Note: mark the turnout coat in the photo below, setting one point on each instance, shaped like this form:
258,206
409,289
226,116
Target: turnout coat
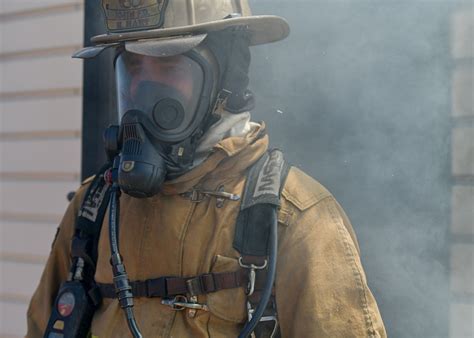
321,289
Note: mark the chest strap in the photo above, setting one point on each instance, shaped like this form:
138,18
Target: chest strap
167,287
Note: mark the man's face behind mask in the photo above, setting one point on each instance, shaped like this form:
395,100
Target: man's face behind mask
166,90
164,104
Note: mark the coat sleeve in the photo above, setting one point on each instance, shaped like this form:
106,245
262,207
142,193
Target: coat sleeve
321,287
55,272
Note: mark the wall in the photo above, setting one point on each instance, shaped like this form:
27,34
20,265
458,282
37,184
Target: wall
40,128
462,212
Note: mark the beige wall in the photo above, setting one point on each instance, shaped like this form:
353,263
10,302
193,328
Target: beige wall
462,220
40,126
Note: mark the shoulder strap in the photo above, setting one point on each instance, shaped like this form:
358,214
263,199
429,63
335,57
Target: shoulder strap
261,198
89,219
261,195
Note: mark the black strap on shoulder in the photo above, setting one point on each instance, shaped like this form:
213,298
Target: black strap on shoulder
253,231
89,219
261,196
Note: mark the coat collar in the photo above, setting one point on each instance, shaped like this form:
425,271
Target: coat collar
230,157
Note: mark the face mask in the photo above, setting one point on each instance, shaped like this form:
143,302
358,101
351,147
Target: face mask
163,106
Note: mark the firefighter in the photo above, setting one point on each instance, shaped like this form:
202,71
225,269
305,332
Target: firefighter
190,166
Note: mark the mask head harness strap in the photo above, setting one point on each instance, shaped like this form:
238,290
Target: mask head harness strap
231,48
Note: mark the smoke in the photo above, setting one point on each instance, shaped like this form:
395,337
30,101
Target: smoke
359,97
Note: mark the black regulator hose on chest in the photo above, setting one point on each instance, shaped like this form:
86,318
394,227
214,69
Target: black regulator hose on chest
123,288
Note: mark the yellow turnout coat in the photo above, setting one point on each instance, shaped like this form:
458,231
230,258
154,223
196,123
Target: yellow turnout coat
321,289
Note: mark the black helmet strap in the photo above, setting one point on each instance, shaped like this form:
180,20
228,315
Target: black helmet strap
231,48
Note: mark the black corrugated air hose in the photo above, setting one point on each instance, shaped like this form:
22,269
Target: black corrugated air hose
121,282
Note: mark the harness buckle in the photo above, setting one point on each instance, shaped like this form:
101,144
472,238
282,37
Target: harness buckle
156,287
201,284
266,318
252,273
221,98
179,303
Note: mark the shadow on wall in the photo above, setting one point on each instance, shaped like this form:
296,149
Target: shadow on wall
360,99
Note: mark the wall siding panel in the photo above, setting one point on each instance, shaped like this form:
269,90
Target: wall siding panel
42,114
22,35
462,214
20,279
41,155
40,146
37,243
21,197
462,268
463,210
463,151
13,318
43,73
463,34
13,6
462,321
463,102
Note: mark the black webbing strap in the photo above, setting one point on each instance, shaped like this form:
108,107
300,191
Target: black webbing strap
167,287
261,196
89,220
93,207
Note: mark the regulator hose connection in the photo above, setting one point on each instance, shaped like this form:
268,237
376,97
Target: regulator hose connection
123,288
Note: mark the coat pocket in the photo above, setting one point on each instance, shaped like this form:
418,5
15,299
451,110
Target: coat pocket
227,304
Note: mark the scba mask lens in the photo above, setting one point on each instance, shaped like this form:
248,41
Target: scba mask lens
163,103
167,90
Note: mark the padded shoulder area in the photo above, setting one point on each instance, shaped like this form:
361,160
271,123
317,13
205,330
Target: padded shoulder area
302,190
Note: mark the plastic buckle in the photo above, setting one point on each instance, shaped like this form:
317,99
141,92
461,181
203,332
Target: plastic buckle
156,287
252,274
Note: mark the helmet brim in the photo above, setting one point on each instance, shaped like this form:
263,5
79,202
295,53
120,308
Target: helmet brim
161,47
262,28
